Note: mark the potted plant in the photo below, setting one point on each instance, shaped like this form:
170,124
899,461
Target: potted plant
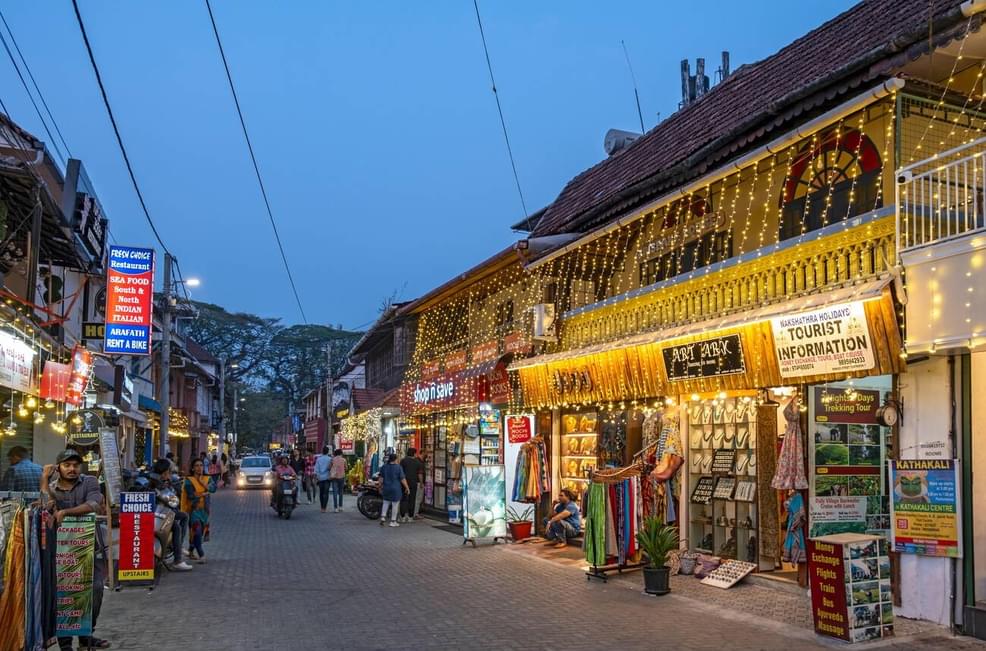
520,524
657,539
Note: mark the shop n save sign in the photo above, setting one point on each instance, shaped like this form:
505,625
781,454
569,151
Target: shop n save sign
129,301
833,339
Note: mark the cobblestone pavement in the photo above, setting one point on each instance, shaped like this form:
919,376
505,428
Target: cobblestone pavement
340,581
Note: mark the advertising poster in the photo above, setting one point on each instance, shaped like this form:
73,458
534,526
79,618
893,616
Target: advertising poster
925,503
851,594
16,363
129,300
835,339
78,381
75,548
109,452
484,502
847,448
136,562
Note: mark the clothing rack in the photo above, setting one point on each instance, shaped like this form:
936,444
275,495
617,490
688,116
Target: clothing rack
607,477
20,495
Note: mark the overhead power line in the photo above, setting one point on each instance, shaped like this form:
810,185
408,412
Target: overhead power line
253,157
116,130
44,123
499,109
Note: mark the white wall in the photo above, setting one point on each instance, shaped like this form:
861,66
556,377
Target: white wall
925,582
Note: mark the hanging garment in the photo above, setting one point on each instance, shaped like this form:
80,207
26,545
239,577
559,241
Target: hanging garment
595,524
794,540
790,472
49,582
34,634
12,600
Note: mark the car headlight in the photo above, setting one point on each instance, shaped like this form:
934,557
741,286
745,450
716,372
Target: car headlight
240,480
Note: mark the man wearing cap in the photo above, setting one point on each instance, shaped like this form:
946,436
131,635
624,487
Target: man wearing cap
69,493
23,474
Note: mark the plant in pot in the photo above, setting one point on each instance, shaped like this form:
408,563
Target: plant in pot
520,523
657,539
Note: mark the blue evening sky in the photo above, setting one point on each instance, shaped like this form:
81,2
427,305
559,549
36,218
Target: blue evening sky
374,124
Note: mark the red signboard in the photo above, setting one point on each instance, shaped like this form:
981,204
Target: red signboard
430,369
827,577
485,352
79,380
54,381
136,537
518,429
517,342
500,390
837,406
455,361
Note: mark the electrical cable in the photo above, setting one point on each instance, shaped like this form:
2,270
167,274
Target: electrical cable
253,157
44,123
503,122
116,129
34,81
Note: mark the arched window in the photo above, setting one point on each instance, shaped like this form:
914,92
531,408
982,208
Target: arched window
829,182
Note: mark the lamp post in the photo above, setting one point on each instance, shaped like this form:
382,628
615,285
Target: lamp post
164,389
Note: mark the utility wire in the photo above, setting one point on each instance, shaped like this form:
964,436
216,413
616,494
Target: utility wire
503,123
116,130
30,74
37,110
253,157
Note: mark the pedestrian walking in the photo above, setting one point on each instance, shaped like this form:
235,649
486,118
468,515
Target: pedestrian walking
323,462
393,486
337,477
309,478
298,465
23,474
224,467
412,467
419,496
195,502
214,471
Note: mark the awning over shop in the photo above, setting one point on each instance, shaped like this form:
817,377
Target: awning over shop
851,331
149,404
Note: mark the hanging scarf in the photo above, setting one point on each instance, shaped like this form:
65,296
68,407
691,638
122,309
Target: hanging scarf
595,524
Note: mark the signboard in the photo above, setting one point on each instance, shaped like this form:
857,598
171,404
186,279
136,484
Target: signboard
75,546
109,451
925,507
136,562
500,389
431,368
88,431
454,361
78,382
519,429
129,301
705,358
517,342
485,352
835,339
123,388
838,406
341,400
851,595
93,331
90,223
54,380
16,363
347,445
484,502
434,392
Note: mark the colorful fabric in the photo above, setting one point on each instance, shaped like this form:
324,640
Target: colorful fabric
12,600
794,541
195,500
790,472
531,475
595,525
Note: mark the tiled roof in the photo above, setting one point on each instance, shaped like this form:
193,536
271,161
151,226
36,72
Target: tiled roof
842,53
369,398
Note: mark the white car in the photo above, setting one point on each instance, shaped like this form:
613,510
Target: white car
255,472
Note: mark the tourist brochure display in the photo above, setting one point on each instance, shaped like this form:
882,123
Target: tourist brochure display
484,503
729,573
851,594
925,507
75,549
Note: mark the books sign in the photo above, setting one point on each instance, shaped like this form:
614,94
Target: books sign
130,289
835,339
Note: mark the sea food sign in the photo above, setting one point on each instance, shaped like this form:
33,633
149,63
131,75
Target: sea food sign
835,339
130,290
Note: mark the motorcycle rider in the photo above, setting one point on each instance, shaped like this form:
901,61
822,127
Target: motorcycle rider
161,479
282,469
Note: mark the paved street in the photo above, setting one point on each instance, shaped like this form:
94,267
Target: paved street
339,581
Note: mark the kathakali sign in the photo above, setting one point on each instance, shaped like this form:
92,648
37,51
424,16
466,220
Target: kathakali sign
834,339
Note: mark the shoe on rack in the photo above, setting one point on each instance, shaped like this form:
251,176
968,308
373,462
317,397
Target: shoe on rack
182,567
394,524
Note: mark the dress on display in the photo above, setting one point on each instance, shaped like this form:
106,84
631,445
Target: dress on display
794,541
791,462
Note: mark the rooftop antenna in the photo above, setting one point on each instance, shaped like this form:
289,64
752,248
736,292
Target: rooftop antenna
636,94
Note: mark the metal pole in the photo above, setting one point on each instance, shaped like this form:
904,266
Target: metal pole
164,393
329,433
222,406
236,408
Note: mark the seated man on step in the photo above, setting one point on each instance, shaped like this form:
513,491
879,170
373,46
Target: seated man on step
566,523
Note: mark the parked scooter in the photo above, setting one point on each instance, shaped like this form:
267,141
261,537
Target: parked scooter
369,501
285,496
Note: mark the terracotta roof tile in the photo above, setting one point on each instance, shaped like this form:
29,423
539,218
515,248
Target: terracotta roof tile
748,101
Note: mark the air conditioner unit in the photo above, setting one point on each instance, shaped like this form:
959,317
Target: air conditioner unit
544,322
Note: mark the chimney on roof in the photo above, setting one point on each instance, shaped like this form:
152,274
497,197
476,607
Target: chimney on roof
724,69
693,87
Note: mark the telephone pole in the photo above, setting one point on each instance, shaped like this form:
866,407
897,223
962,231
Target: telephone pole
164,392
222,405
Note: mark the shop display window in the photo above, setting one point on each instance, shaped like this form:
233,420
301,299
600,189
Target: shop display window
722,439
579,451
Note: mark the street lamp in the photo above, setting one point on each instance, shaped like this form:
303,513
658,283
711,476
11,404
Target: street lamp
192,282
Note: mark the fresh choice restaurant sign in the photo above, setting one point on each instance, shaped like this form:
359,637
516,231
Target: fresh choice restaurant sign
835,339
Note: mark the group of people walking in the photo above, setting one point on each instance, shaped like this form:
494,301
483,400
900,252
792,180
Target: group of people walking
400,487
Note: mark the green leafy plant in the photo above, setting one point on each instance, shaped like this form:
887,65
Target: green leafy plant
657,540
514,516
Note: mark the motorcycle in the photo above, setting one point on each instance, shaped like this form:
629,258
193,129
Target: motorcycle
369,501
285,497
